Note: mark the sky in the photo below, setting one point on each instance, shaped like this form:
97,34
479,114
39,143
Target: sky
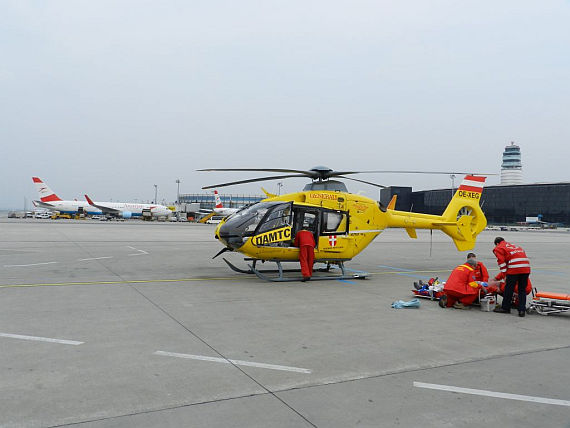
111,98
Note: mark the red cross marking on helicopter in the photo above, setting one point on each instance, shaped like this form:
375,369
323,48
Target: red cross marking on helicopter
332,240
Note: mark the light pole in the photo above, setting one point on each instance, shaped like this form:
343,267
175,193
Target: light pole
279,185
178,191
452,176
155,193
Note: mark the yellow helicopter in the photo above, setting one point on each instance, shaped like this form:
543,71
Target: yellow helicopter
343,223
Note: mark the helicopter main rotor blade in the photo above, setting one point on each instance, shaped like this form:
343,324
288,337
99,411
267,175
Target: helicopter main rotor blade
362,181
424,172
293,171
253,180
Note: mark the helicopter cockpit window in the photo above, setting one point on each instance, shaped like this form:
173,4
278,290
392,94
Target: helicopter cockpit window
279,216
245,222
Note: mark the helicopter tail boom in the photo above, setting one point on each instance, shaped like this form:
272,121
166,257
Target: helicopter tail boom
462,220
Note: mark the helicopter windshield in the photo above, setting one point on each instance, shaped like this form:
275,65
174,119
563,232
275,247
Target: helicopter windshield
244,223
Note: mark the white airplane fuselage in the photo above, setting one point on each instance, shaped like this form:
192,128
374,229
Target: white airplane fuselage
48,199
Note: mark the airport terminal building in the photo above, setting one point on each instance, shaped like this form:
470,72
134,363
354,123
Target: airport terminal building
502,204
205,201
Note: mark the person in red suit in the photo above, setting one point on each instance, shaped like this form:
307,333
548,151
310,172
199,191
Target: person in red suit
515,268
306,243
481,272
461,289
501,290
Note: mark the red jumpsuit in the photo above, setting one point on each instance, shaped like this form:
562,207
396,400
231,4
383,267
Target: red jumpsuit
306,243
481,272
501,290
515,268
461,286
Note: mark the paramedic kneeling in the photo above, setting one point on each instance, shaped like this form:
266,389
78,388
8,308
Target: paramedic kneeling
461,289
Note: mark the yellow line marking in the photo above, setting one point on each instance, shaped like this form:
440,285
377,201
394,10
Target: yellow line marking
144,281
134,281
392,272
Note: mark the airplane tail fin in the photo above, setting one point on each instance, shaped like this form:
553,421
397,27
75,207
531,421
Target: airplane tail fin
218,200
463,219
46,194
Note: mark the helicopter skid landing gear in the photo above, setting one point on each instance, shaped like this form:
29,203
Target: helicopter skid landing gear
252,271
281,278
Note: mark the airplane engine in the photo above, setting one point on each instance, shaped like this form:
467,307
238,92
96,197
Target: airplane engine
126,214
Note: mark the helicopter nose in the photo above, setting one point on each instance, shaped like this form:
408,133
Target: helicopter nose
226,234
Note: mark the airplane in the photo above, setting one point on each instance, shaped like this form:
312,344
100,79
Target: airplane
219,208
342,223
128,210
48,199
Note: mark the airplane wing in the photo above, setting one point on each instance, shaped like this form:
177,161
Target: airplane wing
103,208
42,204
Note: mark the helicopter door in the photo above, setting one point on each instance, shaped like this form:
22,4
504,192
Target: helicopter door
275,229
307,218
334,230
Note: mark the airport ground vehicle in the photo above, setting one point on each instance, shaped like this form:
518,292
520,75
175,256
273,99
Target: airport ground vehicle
42,214
215,219
343,224
57,215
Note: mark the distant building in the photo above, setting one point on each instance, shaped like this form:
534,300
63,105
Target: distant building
511,168
206,200
501,204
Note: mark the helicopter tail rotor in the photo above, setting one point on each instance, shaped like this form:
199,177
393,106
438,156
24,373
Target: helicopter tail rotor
464,215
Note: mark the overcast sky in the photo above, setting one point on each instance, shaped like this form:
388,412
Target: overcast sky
110,98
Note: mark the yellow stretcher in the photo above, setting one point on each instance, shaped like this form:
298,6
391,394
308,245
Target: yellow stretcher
545,303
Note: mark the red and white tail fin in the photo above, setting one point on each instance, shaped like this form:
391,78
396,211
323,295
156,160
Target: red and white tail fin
472,184
46,194
218,200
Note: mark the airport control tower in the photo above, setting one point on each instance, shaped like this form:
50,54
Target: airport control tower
511,169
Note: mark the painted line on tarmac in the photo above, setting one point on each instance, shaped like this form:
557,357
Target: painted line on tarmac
236,362
95,258
32,264
485,393
134,281
140,252
41,339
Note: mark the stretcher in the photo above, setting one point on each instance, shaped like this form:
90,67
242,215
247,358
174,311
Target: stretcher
433,289
545,303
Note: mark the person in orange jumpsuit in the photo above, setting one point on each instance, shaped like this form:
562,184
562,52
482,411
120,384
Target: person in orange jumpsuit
306,243
481,274
461,289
